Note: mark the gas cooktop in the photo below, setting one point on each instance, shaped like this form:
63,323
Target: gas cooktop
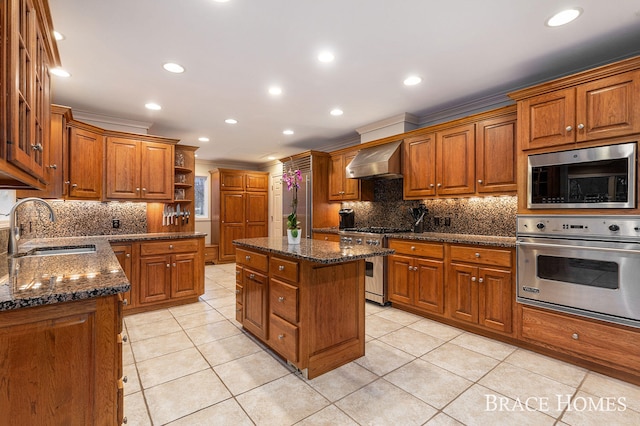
376,230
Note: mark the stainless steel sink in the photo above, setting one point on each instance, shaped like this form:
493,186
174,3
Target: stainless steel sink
53,251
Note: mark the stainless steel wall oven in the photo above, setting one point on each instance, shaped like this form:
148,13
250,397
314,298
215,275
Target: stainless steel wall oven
586,265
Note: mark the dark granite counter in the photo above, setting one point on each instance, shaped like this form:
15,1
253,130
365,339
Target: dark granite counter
27,280
326,252
486,240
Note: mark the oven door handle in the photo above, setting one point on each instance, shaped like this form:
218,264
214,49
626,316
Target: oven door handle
572,247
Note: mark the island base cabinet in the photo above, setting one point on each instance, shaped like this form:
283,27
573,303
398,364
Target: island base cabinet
61,363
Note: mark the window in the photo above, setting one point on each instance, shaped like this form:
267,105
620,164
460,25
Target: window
201,197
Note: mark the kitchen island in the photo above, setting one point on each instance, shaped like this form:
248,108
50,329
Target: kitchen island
306,301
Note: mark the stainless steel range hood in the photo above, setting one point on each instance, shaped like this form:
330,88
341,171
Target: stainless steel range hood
382,161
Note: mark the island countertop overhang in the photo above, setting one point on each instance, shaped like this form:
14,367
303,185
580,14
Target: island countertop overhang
325,252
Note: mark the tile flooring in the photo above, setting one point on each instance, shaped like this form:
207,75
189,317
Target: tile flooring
193,365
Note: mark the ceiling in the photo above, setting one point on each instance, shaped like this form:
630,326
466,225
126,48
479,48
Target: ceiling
467,52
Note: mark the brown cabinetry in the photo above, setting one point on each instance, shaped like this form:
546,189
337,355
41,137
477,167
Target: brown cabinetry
596,104
62,363
340,187
326,236
138,170
239,208
124,253
83,166
496,155
416,275
418,166
480,286
455,160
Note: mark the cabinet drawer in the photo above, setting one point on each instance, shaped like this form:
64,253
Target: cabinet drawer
483,255
238,274
588,339
283,338
414,248
284,300
252,259
168,247
239,312
238,293
211,253
284,269
326,237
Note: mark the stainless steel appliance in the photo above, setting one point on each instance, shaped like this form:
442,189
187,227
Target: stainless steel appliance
305,195
587,178
347,218
585,265
375,280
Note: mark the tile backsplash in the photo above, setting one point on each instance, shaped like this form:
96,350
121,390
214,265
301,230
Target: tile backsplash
78,218
475,215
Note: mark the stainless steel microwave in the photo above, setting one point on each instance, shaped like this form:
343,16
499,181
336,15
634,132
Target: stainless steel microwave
588,178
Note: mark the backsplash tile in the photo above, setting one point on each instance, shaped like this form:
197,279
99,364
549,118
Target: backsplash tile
81,218
476,215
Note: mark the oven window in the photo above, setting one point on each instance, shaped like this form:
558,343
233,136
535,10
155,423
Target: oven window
595,273
368,269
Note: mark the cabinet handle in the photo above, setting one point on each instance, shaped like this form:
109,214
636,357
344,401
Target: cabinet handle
171,246
473,279
431,185
67,182
252,276
580,126
413,248
575,336
74,185
237,291
477,254
128,255
144,189
125,379
168,265
480,280
125,338
174,264
53,166
137,189
124,420
237,272
569,128
239,310
281,299
125,302
281,336
37,147
247,258
480,181
439,185
281,268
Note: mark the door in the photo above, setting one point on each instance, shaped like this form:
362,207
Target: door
455,161
400,278
256,214
255,289
184,282
155,278
84,164
547,120
156,171
419,171
123,172
496,155
429,285
276,206
495,298
464,292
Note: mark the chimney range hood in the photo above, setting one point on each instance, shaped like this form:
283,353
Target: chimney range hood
382,161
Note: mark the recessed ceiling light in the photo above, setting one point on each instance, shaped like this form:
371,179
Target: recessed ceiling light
412,80
60,72
326,56
152,106
336,111
58,35
275,90
231,121
287,132
564,17
203,139
271,157
173,67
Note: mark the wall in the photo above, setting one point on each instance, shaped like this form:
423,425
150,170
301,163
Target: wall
474,215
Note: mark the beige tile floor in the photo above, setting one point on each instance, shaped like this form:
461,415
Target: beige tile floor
193,365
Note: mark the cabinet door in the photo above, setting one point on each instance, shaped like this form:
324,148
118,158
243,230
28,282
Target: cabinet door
84,164
608,107
463,290
232,180
122,168
256,214
156,171
184,282
496,155
400,277
350,187
495,299
123,253
547,120
256,298
228,233
155,278
418,166
256,182
429,285
232,208
455,161
336,177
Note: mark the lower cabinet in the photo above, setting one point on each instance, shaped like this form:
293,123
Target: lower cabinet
256,300
62,363
326,236
124,253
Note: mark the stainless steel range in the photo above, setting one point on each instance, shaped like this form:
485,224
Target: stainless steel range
586,265
375,272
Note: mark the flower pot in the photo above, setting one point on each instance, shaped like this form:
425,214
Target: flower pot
291,238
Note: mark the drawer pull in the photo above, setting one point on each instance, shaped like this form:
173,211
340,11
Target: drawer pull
171,246
125,379
281,268
281,299
413,248
128,255
124,420
480,280
569,128
125,338
247,257
125,302
281,336
252,276
473,279
477,254
575,336
168,265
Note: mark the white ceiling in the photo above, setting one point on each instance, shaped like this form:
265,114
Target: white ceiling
465,51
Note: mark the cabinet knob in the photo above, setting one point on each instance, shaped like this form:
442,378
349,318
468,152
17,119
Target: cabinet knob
125,302
144,189
326,238
480,181
237,272
431,185
281,299
413,248
238,291
252,276
239,310
281,336
439,185
171,246
569,128
53,166
477,254
168,265
128,255
124,420
174,264
125,379
247,258
137,189
74,185
281,268
480,280
575,336
67,182
580,126
473,279
125,338
37,147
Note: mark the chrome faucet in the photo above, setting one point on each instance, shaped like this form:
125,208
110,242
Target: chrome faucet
14,231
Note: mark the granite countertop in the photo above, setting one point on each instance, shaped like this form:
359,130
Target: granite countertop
27,281
442,237
326,252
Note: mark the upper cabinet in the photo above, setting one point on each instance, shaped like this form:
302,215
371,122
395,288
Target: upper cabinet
342,188
138,170
28,51
418,166
83,168
455,160
496,154
596,104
